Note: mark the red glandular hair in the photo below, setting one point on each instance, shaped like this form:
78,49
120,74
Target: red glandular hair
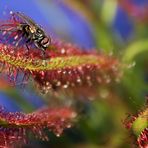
85,75
16,127
75,68
143,139
64,66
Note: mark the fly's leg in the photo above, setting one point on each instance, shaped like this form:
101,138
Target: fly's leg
27,43
28,40
43,54
27,48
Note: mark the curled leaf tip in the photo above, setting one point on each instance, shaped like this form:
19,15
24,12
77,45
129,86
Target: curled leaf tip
138,124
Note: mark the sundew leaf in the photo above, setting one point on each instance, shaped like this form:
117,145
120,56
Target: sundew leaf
15,127
64,66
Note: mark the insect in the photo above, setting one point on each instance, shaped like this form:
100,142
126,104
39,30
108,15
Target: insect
22,29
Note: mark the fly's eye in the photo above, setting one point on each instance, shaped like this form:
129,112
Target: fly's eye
45,42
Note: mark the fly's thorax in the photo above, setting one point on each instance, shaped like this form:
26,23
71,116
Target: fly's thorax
27,28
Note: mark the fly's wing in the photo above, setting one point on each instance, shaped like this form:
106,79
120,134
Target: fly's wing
26,19
11,32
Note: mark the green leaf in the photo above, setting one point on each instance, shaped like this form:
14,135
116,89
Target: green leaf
134,49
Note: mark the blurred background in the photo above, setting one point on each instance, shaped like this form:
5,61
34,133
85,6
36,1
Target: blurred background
116,27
